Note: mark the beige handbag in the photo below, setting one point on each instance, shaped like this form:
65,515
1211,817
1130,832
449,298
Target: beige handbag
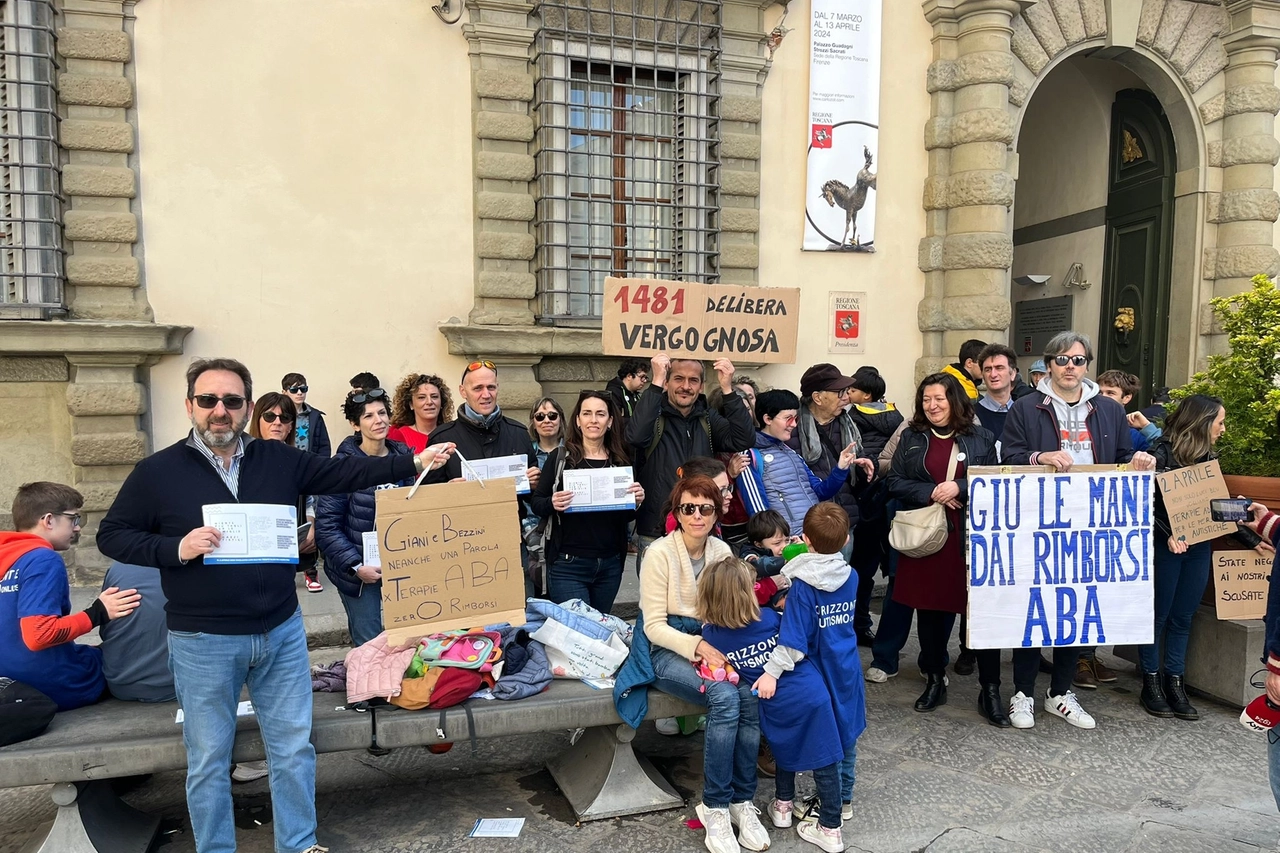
921,532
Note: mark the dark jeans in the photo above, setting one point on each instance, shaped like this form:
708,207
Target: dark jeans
892,634
934,628
1026,665
595,580
865,559
827,780
1179,583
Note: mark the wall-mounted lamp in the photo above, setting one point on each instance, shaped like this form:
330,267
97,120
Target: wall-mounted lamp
1075,277
449,11
1032,280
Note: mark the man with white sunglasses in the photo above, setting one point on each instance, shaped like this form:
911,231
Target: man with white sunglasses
1068,422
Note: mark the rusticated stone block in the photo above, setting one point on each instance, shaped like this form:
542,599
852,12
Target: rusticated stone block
101,181
1094,15
500,166
502,317
930,254
512,126
509,247
496,284
98,497
1250,149
740,255
986,66
1018,93
1212,60
1253,98
988,125
740,146
1213,153
512,206
1213,109
1242,205
741,108
739,182
929,315
977,187
937,133
82,135
976,312
941,76
105,398
1207,22
91,91
93,226
108,45
103,271
1149,20
1070,21
1246,261
122,448
1045,27
503,86
1026,47
33,369
1212,206
739,219
977,251
1172,24
564,370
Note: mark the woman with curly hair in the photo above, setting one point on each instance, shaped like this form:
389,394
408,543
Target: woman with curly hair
421,403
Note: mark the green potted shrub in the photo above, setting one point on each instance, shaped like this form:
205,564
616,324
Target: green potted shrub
1244,378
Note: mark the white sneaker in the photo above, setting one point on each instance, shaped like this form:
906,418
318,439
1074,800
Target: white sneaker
846,811
876,675
1022,711
1068,708
249,771
751,832
719,829
316,848
667,726
780,813
828,839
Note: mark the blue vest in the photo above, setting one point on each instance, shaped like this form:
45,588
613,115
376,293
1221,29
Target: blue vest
786,481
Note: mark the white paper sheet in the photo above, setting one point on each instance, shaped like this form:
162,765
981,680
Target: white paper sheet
599,489
371,555
253,533
508,827
244,709
499,467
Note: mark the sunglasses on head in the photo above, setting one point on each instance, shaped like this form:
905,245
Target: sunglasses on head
476,365
371,394
232,402
700,509
270,417
547,416
1076,360
298,389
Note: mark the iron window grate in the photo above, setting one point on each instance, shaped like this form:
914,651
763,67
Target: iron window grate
31,248
628,155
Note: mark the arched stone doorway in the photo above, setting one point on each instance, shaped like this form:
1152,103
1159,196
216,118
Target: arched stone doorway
1212,68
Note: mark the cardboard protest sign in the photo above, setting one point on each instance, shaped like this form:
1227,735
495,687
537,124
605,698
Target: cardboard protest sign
644,316
1060,559
1241,580
1187,492
450,557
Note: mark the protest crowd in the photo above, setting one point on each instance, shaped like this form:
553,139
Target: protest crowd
759,520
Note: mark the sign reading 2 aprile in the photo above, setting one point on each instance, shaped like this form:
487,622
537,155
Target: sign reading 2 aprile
1060,559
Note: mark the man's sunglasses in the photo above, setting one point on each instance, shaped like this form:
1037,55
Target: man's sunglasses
232,402
547,416
1076,360
367,396
298,389
700,509
270,417
476,365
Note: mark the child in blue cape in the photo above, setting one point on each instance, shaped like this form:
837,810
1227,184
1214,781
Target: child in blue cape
818,627
798,719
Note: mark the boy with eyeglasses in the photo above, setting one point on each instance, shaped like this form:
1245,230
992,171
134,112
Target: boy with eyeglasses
37,627
310,434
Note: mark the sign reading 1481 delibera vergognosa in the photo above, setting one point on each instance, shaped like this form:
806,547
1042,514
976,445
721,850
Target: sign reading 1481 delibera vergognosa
1060,559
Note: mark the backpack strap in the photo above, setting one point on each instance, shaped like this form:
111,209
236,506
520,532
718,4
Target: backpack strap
658,426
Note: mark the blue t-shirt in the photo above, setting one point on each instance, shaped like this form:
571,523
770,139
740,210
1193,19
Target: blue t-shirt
820,625
798,721
70,673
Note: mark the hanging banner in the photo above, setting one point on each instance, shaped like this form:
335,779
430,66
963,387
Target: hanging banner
844,117
1060,559
847,322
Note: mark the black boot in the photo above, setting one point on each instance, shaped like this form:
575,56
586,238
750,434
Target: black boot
992,707
1176,693
935,693
1152,697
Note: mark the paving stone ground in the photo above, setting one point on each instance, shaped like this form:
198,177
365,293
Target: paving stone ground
944,782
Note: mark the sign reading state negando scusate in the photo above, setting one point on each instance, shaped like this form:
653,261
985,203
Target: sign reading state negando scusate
644,316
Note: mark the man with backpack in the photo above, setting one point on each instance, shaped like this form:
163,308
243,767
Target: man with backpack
672,423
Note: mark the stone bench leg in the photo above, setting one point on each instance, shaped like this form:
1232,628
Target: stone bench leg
92,819
602,776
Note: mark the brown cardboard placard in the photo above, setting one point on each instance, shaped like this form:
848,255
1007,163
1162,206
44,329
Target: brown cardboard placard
1241,581
450,557
645,316
1187,492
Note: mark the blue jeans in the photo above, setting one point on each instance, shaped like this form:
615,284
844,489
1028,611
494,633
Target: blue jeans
732,741
827,781
208,672
364,613
1179,583
848,773
595,580
1274,764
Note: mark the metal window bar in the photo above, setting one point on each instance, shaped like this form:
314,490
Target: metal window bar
628,155
31,251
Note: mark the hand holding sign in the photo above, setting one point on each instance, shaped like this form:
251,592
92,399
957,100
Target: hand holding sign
560,501
1176,545
1142,462
436,455
1059,460
659,366
201,541
724,372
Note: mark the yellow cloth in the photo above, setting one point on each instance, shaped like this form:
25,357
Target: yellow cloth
965,382
668,588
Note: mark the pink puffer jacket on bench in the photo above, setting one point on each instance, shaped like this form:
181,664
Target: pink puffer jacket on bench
376,669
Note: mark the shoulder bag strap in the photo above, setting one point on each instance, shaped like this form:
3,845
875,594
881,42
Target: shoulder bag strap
954,462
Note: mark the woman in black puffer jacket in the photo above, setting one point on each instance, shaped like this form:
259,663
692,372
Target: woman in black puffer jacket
342,520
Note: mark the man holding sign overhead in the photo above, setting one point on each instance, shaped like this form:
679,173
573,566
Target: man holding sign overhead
1068,422
235,624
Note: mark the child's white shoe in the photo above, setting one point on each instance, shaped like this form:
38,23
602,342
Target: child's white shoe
827,839
780,813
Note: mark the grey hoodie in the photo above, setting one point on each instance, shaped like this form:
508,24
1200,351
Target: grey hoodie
827,572
1071,419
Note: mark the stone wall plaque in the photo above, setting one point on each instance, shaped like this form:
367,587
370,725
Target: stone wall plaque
1035,321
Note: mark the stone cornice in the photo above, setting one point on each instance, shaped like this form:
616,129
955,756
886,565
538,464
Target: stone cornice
1253,23
936,11
90,337
519,340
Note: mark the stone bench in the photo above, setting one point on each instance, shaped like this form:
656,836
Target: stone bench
600,773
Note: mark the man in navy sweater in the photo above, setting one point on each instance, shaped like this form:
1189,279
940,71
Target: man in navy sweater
235,625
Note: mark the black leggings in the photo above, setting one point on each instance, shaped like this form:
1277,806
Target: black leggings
934,630
1026,666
